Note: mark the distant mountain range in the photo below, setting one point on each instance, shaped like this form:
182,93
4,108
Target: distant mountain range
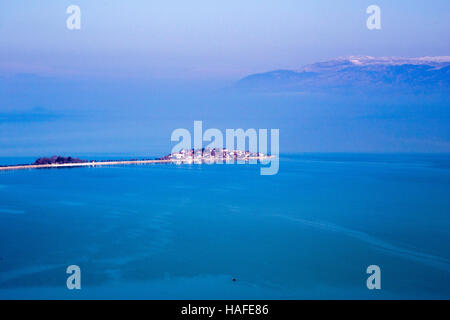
357,72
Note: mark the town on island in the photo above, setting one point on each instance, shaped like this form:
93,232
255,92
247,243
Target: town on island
189,156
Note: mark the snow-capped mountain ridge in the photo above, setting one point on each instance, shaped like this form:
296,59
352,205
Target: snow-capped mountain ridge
360,61
359,72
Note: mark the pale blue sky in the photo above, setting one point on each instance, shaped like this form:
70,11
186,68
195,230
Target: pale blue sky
210,39
137,70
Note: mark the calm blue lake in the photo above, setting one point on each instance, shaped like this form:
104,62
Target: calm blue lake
184,232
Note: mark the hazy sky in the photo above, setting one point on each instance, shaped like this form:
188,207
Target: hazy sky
138,69
210,39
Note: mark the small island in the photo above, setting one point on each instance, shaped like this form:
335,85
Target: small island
189,156
214,155
58,160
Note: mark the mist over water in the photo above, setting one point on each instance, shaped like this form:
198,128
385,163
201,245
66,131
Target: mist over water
43,116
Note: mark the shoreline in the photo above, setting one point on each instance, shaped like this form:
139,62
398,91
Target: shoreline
120,162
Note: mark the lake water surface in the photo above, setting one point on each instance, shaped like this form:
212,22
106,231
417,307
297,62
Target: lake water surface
168,231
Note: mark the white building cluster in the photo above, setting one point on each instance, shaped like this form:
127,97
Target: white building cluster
212,155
